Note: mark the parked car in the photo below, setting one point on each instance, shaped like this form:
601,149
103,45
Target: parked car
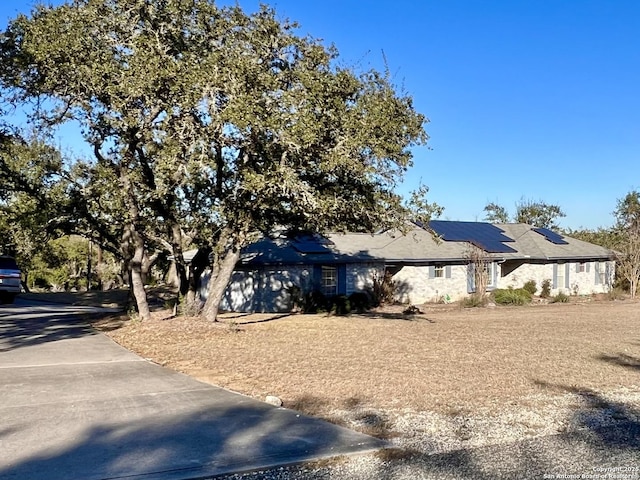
9,279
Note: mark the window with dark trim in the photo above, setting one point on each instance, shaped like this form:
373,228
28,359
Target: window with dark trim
329,281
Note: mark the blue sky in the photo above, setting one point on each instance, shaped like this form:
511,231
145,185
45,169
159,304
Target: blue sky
533,99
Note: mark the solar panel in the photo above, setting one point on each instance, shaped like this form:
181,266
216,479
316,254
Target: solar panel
483,235
551,236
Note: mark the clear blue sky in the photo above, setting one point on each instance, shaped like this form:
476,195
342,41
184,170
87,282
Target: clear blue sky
534,99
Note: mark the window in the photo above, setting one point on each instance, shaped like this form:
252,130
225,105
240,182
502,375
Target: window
581,267
560,276
601,273
438,271
488,271
329,281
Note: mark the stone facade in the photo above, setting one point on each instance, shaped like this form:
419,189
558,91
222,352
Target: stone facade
267,289
571,278
417,285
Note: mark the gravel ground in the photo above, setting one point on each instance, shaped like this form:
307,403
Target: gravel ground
556,436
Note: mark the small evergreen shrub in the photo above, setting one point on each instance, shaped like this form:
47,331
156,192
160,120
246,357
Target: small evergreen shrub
360,302
510,296
474,300
530,287
546,289
560,298
340,305
315,302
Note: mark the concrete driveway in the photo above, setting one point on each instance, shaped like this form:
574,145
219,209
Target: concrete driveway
73,404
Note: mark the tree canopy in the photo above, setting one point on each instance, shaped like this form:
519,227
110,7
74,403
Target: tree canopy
210,126
536,213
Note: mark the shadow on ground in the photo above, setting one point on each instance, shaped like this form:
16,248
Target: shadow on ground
44,326
239,438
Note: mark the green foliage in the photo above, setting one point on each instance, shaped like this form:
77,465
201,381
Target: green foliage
315,302
605,237
340,305
627,212
530,287
384,289
360,302
474,300
496,213
546,288
206,119
560,297
511,296
538,214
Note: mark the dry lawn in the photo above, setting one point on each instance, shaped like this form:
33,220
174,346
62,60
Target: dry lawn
445,360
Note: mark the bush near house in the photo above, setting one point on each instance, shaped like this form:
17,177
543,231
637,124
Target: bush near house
546,289
511,296
560,298
530,287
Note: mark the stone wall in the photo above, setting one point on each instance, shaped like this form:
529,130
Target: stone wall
414,286
263,290
580,283
266,290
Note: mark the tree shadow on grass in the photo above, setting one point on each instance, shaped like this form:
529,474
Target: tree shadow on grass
622,360
589,443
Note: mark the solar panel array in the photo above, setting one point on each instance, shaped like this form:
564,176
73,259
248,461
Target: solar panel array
552,236
483,235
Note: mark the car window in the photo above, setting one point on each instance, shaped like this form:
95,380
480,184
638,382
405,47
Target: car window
7,263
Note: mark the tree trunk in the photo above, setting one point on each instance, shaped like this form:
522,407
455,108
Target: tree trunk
199,263
223,268
137,281
133,249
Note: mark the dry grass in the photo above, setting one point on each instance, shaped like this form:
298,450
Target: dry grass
447,360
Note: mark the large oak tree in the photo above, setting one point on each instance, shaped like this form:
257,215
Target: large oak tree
212,126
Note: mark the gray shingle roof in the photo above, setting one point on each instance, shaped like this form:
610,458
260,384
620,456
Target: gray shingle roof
417,246
532,245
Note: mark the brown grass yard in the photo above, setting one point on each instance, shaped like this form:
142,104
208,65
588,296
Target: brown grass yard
445,360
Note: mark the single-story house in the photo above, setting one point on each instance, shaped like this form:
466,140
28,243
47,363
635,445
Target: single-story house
424,267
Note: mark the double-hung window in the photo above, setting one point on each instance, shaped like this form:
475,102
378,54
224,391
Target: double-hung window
329,281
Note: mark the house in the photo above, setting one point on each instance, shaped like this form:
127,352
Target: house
424,267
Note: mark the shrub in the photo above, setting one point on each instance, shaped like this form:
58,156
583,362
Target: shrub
616,293
560,298
359,301
530,287
546,289
314,302
340,305
510,296
475,300
384,289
